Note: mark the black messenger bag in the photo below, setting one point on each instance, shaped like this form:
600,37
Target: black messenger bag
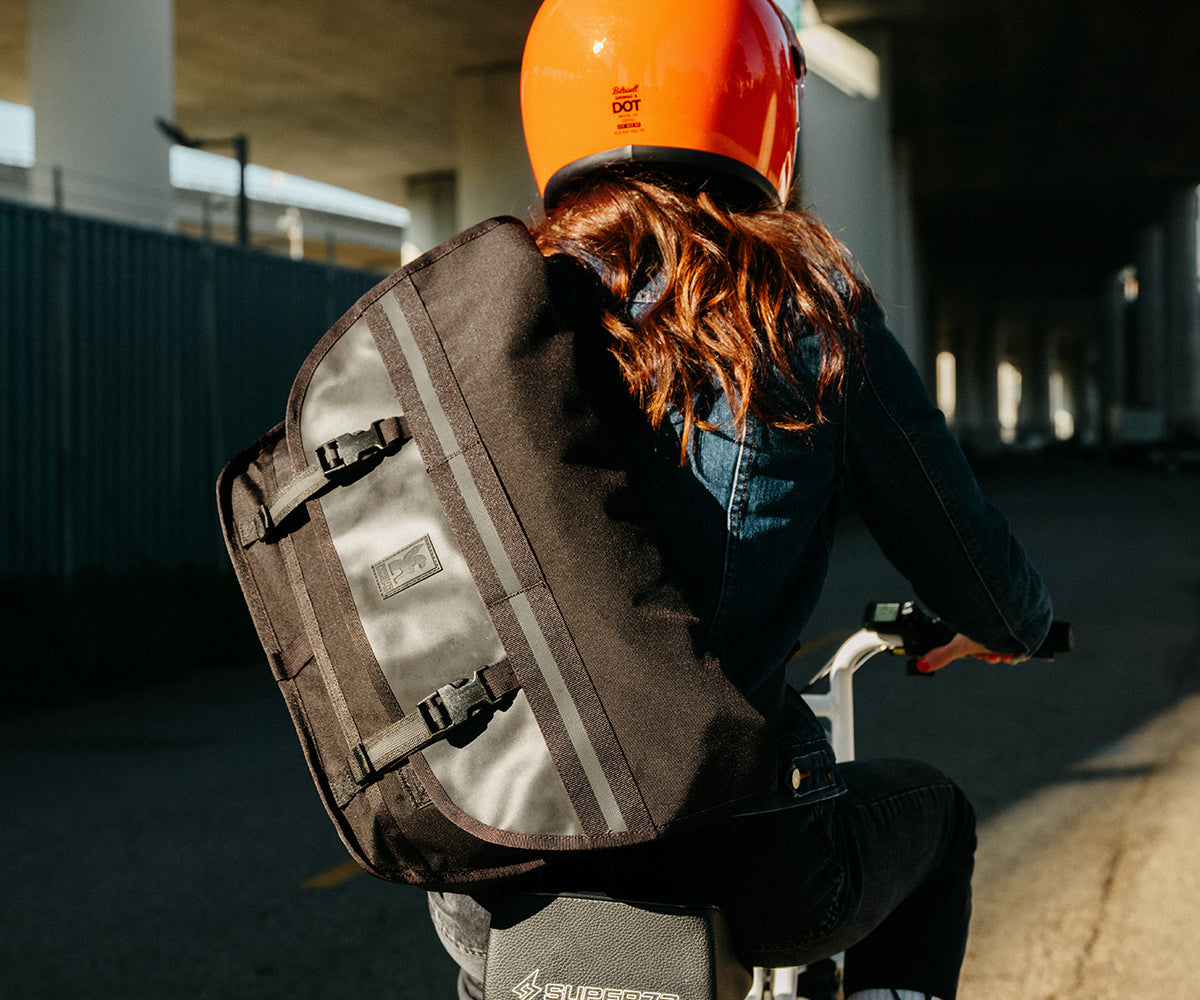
480,646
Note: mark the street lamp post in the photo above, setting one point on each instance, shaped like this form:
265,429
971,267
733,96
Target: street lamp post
241,149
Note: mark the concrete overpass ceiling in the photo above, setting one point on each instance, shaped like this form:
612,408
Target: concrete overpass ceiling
359,93
1039,128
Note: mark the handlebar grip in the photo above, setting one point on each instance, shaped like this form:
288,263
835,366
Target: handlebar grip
1060,639
920,632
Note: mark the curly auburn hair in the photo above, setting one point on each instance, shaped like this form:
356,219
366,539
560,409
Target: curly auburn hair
738,289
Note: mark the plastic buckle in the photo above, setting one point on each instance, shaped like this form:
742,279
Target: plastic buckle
457,702
343,453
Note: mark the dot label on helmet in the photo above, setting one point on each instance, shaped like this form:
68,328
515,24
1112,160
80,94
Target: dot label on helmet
626,105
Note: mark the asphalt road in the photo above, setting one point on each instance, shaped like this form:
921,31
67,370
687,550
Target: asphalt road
169,843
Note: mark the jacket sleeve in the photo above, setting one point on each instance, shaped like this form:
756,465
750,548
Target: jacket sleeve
916,493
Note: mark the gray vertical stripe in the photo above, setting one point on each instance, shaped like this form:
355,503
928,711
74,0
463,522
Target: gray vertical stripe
588,758
570,714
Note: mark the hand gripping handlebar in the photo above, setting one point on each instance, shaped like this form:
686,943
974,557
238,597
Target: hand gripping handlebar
909,630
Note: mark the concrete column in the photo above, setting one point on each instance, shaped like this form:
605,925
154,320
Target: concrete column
1182,311
1073,390
1113,364
1071,387
1142,419
494,174
99,75
852,182
433,201
1079,361
1037,362
1010,344
977,420
908,315
946,383
1091,433
1149,349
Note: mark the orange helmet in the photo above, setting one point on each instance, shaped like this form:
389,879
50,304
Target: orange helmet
709,84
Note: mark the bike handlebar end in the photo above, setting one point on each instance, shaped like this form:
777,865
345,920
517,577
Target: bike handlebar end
1060,639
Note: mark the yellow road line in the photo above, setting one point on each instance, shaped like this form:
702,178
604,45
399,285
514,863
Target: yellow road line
335,876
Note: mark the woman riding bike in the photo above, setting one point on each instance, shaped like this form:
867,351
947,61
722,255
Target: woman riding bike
663,139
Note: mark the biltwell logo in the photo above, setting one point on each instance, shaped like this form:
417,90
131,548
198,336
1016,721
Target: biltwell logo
409,566
627,106
625,99
528,989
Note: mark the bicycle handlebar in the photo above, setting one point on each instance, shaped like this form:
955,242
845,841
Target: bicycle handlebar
919,632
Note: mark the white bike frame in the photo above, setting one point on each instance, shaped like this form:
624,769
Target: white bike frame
837,707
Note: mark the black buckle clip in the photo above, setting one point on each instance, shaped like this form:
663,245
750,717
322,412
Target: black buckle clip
343,455
455,703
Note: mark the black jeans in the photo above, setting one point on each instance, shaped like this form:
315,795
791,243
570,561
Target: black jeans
882,873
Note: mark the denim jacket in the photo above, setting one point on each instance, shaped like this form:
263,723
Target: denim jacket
758,550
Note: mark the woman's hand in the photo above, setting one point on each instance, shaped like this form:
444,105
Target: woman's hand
958,648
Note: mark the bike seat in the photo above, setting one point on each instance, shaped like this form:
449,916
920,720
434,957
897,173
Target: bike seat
587,947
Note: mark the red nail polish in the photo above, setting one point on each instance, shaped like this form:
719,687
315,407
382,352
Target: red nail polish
923,666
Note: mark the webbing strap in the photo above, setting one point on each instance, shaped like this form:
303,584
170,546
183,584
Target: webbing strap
433,719
338,461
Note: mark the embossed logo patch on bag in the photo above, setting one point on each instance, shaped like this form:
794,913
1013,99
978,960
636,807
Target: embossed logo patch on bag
409,566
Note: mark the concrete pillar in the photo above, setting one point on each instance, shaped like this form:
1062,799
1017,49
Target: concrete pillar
1150,349
1091,405
1141,420
494,174
1072,397
1068,390
99,75
432,200
908,315
977,420
1079,356
1037,360
852,179
1112,376
1182,312
1010,344
946,384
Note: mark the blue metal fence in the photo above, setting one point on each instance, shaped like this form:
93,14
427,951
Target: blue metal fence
132,365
